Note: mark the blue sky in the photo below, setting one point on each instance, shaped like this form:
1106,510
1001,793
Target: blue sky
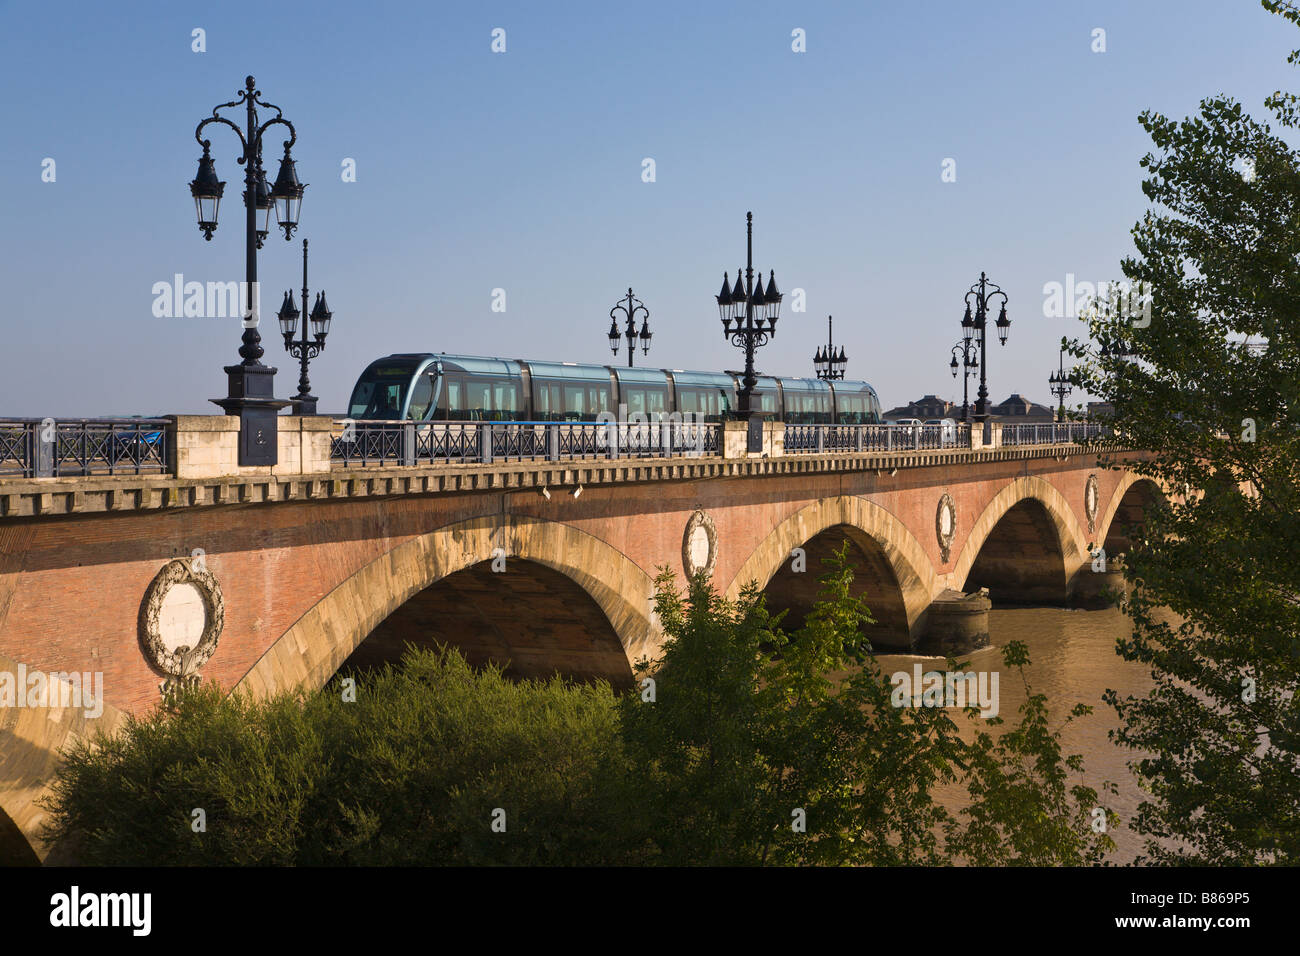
523,171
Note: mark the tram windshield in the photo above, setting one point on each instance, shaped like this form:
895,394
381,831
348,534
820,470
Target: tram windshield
380,392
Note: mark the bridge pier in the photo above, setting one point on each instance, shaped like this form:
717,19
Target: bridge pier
955,623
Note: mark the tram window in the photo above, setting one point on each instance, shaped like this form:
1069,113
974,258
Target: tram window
806,408
421,396
575,402
852,409
559,401
505,402
645,401
711,403
478,398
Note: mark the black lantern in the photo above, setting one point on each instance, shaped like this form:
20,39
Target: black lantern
288,316
265,204
773,299
207,191
320,317
725,310
288,195
1004,325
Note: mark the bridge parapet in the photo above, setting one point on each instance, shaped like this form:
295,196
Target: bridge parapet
44,497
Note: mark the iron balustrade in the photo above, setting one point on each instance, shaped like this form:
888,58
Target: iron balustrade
50,448
364,443
1051,433
827,439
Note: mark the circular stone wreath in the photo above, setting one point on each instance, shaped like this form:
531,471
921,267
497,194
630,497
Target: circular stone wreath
183,661
946,513
700,521
1090,497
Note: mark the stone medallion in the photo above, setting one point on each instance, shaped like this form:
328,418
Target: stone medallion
945,525
1090,503
700,545
181,620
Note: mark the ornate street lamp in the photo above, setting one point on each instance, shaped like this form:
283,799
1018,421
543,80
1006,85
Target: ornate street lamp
250,385
630,305
829,363
754,310
970,361
1061,385
975,327
302,349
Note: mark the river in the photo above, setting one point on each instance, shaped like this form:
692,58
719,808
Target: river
1072,660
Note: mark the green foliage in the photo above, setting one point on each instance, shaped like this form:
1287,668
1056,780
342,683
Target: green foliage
1220,250
410,773
740,738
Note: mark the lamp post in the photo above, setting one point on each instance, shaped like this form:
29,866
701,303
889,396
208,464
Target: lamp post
630,305
1061,385
754,310
829,364
250,384
977,326
302,349
970,361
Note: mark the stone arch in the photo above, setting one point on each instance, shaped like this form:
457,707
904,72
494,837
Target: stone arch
911,568
1127,482
318,643
1048,503
519,615
31,739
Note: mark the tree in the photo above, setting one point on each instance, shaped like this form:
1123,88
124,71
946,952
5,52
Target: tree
761,747
1210,389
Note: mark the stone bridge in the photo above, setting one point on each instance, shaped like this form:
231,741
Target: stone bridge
267,579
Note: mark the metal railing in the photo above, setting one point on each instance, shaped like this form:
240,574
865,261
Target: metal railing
827,439
415,443
361,443
50,448
1051,433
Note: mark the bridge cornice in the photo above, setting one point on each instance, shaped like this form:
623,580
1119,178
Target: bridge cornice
52,497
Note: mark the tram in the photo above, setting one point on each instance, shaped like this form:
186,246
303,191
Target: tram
424,386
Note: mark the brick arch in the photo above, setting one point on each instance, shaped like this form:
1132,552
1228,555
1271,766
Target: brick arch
318,643
1127,480
1070,535
30,743
912,569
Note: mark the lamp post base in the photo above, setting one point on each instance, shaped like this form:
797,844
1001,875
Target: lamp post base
250,396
